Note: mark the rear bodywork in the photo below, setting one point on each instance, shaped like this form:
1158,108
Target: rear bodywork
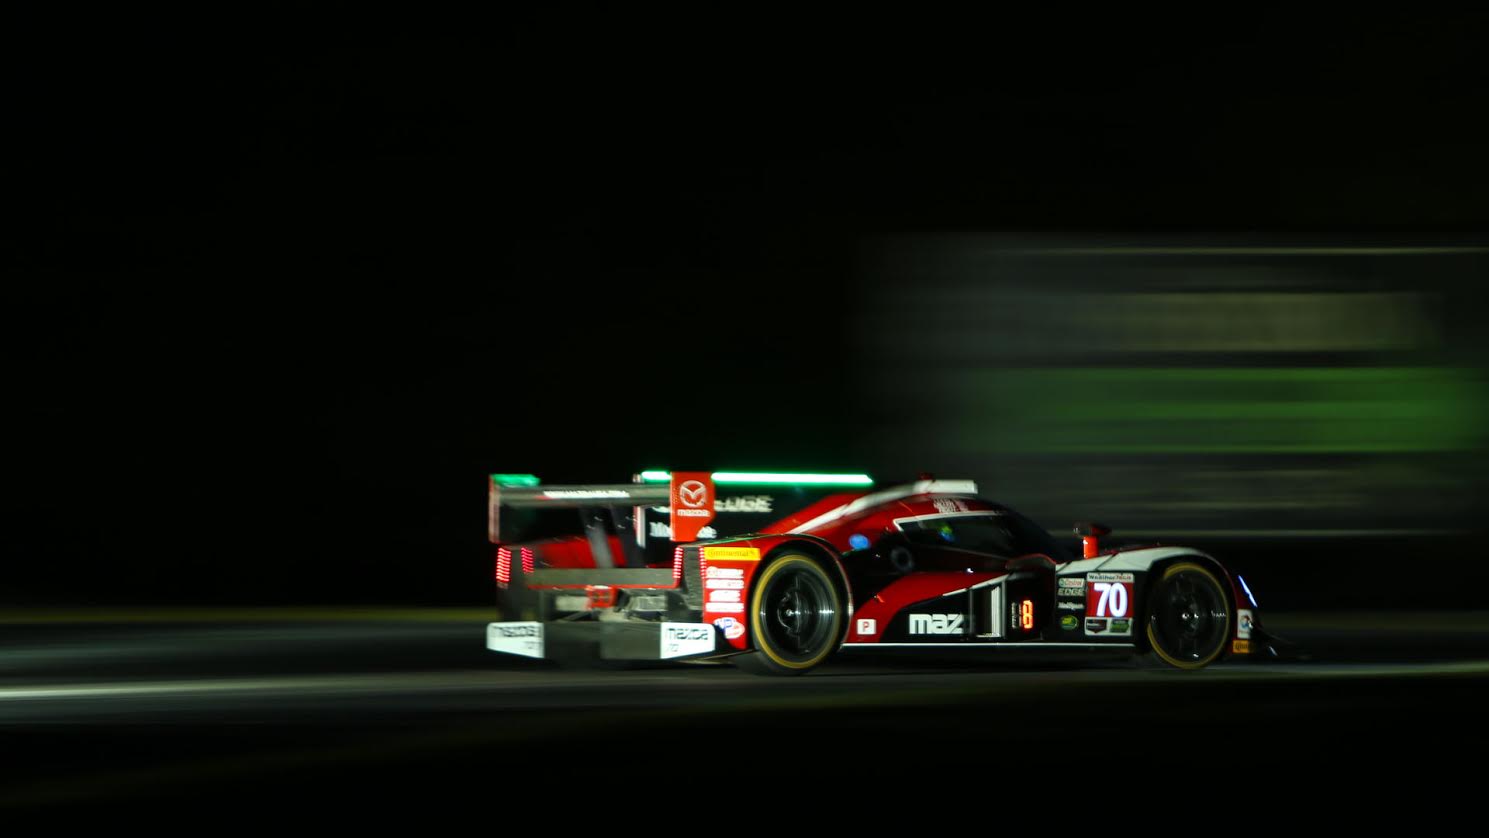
626,590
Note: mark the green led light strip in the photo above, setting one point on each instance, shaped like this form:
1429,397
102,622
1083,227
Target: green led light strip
515,479
768,478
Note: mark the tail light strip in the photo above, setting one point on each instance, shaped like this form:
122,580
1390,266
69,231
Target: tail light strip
503,566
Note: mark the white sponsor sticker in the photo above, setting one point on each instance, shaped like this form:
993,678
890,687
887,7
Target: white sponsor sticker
1243,624
936,623
732,628
659,529
680,639
524,639
724,596
725,607
733,584
725,572
868,626
744,503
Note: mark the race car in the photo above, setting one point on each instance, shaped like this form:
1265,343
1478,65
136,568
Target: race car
778,572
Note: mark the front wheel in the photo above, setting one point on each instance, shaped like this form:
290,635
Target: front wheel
1189,617
796,617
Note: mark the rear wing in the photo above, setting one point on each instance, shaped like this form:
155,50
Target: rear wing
517,492
690,500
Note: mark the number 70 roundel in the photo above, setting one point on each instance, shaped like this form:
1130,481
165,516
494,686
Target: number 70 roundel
1109,603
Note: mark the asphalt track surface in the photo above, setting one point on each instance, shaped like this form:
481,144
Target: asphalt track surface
372,711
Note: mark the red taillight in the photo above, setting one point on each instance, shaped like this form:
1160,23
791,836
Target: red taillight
527,560
600,596
676,565
1026,614
503,566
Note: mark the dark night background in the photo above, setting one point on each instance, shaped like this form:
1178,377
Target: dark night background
278,306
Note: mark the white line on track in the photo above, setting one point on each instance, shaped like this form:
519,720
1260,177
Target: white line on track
506,682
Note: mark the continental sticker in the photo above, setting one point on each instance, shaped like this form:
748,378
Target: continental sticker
732,554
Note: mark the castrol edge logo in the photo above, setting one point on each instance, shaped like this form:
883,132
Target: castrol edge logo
692,503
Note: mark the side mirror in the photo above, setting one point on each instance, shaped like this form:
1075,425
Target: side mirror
1090,533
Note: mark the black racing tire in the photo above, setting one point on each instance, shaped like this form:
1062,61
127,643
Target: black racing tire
1188,617
796,617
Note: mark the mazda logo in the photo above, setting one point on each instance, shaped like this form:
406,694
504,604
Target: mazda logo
692,493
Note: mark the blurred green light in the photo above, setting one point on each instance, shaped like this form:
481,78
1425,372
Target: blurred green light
515,479
1272,410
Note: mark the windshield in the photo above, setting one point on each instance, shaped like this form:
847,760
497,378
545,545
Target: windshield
1004,533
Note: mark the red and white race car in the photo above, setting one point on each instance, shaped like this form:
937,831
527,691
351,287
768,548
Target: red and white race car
822,563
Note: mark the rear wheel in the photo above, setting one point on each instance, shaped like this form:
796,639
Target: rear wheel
1189,617
796,617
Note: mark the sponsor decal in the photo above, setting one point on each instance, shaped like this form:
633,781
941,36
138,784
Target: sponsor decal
949,505
1071,606
693,494
724,596
585,494
732,554
1072,585
682,633
691,502
724,607
936,623
657,529
732,628
1240,647
868,626
686,639
1070,622
725,572
517,629
734,584
1109,625
745,503
858,541
1243,624
524,639
1109,595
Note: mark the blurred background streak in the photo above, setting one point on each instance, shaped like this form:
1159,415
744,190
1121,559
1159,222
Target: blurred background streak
1331,394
